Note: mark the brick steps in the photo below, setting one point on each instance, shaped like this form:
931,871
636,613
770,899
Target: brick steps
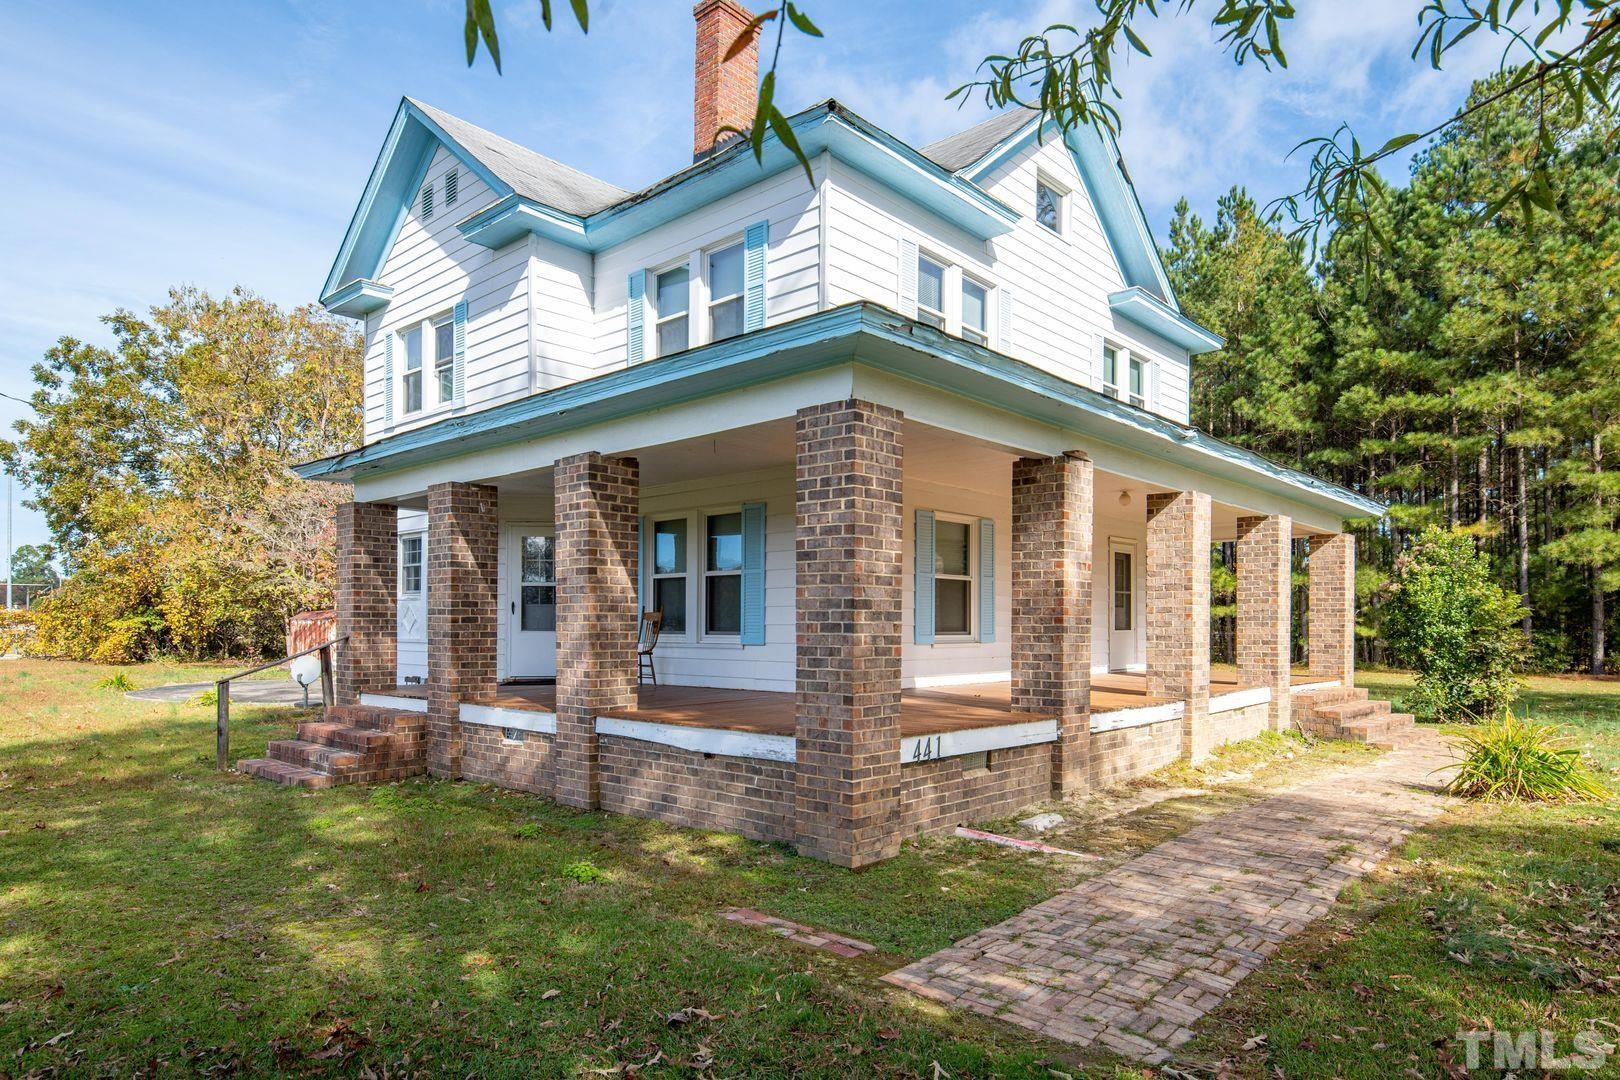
1349,714
351,744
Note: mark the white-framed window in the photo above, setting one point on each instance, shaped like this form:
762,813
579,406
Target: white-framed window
1110,370
672,306
723,278
1136,386
411,377
722,574
669,573
444,356
931,292
1050,205
955,584
412,579
975,311
1124,589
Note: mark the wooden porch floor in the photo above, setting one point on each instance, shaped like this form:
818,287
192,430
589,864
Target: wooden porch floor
922,712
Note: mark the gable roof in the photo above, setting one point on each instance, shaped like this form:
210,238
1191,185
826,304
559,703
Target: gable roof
957,152
531,175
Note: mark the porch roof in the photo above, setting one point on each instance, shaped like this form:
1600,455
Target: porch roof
862,334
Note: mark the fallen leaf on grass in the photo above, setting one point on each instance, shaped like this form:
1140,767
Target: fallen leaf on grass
549,994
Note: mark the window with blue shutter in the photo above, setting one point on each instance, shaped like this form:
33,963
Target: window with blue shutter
388,377
923,602
987,580
753,574
755,244
460,376
635,311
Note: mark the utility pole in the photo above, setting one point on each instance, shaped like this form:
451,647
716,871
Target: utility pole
9,574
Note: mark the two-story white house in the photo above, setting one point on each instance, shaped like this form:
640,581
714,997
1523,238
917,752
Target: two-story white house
898,451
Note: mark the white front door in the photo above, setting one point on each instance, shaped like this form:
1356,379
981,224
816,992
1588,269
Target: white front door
532,605
1123,587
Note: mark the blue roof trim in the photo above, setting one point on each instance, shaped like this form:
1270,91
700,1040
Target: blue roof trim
390,189
1096,157
825,128
1141,307
358,298
862,333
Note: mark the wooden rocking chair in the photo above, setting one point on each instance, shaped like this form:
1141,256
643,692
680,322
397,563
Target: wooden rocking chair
646,642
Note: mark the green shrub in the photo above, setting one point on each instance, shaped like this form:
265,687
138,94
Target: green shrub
584,871
120,682
16,632
1459,630
1509,759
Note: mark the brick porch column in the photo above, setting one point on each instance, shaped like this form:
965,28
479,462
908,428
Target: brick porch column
463,533
849,573
1264,590
1178,542
598,613
1051,628
367,598
1331,620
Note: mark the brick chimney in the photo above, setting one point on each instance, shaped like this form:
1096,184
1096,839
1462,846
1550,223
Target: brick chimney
724,92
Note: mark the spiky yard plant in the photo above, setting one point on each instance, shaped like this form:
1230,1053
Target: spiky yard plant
1510,759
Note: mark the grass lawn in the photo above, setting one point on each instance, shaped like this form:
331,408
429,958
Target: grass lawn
156,915
1504,918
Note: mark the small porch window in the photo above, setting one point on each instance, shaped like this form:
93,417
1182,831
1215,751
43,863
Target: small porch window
410,565
673,297
953,578
669,573
722,575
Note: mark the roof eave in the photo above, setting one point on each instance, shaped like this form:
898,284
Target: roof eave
1138,306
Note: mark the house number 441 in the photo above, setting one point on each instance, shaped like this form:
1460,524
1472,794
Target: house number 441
927,748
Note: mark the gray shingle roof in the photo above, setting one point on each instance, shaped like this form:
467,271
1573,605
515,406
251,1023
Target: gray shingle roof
531,175
965,147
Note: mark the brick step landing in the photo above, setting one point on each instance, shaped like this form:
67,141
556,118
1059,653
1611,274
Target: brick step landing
350,744
1351,715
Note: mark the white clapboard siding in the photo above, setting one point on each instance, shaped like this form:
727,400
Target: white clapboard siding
945,659
792,287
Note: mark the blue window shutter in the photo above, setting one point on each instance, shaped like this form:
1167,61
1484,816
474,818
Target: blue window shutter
923,601
753,574
635,312
987,580
1004,319
754,250
908,279
460,372
641,568
388,376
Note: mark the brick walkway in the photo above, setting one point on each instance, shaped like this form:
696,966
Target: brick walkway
1132,958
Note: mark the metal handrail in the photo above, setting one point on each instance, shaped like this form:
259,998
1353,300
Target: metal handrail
222,694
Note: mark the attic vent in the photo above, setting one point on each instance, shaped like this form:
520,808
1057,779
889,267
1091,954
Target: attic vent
452,187
427,201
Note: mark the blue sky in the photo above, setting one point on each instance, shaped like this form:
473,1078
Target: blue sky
152,144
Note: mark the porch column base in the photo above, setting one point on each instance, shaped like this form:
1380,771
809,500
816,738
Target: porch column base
1264,587
463,532
598,512
848,581
1178,543
367,598
1051,628
1331,620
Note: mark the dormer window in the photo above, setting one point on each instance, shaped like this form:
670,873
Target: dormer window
1049,205
673,297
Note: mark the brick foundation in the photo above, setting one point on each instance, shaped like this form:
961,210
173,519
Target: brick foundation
524,764
463,537
598,509
367,598
848,587
1178,543
1126,753
1331,619
1235,725
1051,622
1264,589
752,797
936,796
